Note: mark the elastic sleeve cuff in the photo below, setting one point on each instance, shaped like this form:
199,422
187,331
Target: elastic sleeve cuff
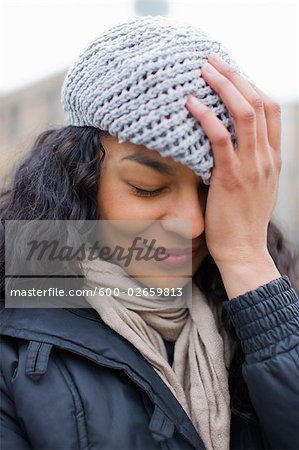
266,319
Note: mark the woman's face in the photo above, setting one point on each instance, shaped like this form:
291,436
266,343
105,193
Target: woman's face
177,201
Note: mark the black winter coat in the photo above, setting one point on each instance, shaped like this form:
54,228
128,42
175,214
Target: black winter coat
70,382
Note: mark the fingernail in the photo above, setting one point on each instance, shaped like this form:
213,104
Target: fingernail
207,67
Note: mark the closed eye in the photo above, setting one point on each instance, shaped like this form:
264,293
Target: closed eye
146,193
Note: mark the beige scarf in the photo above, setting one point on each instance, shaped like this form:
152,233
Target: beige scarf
198,377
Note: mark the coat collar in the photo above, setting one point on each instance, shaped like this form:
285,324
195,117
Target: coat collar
82,331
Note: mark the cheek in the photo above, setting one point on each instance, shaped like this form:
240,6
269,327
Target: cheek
111,202
115,202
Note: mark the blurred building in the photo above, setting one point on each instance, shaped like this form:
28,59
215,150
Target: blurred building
27,112
23,115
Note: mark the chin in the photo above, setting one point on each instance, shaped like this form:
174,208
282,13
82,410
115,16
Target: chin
168,277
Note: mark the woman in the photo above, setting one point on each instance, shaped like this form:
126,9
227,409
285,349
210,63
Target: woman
151,138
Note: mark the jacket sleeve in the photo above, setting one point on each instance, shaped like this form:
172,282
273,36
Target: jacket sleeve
11,434
266,321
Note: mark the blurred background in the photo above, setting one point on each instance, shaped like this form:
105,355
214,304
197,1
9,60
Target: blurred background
41,38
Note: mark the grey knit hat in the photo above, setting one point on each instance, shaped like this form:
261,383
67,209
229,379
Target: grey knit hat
133,81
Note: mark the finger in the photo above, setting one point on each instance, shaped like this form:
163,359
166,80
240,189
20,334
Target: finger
248,91
273,117
216,132
242,112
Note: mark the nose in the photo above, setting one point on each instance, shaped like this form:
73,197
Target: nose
186,216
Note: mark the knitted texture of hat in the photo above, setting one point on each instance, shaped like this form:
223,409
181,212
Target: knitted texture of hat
133,81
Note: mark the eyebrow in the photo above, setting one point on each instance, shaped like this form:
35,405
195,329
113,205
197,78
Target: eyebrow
154,164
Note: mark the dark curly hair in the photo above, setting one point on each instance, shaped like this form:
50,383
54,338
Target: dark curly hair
59,179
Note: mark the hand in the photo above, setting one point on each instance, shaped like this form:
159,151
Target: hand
244,182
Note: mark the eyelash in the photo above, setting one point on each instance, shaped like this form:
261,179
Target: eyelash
145,193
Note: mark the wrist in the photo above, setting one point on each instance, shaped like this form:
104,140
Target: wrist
244,274
241,256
